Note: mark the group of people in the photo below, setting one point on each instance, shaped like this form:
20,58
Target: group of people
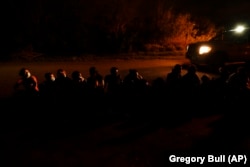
62,86
75,103
229,85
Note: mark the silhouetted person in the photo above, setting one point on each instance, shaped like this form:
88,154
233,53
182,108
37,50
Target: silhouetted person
48,87
220,86
95,82
79,84
173,81
63,85
190,83
158,87
238,84
205,86
173,78
136,90
134,82
27,84
113,82
207,93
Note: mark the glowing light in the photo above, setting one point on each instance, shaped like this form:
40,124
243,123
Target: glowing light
204,49
239,29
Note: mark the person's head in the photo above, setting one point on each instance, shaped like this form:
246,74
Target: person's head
205,78
49,76
24,73
61,73
92,71
76,75
133,72
177,68
192,69
114,70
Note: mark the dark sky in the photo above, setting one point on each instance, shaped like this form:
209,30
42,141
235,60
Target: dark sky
221,12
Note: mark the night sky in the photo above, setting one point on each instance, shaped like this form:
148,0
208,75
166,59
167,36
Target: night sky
225,10
220,12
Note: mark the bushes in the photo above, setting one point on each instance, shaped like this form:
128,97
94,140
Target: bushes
119,27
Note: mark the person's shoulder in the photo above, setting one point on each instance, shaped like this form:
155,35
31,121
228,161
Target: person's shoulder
33,77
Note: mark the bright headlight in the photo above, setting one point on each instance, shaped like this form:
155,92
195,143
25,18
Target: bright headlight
204,49
239,29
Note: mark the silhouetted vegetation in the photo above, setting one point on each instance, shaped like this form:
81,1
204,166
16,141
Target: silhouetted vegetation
80,27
